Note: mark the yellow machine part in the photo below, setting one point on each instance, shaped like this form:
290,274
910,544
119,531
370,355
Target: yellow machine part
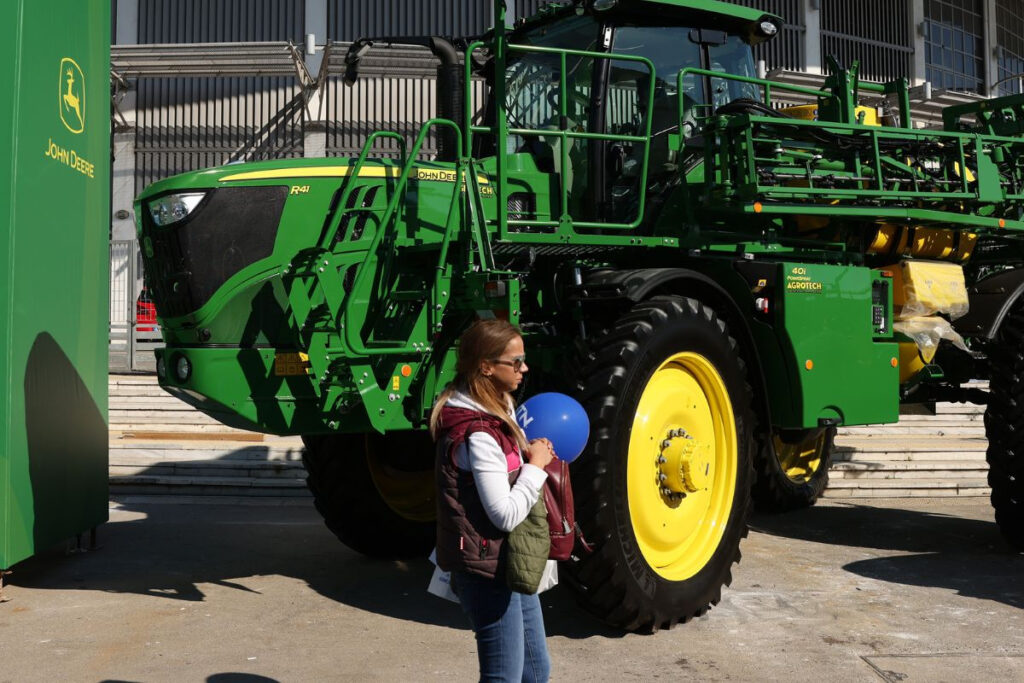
925,243
809,112
921,288
911,362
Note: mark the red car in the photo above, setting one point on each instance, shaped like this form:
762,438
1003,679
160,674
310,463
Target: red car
145,313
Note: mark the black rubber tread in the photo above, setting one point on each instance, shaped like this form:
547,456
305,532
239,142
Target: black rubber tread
615,583
344,493
1004,426
773,491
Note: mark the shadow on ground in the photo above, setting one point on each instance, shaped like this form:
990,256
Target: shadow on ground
174,551
932,549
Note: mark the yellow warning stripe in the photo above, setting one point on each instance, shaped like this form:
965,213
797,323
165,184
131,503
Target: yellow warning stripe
442,175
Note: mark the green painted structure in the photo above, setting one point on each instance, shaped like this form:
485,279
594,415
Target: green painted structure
54,190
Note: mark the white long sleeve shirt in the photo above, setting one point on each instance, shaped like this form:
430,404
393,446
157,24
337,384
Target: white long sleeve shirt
506,506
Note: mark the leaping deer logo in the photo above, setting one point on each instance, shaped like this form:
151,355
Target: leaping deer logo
71,93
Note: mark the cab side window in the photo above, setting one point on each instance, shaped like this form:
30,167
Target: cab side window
733,57
670,50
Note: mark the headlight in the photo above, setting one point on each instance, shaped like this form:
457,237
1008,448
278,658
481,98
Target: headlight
161,367
172,208
768,28
182,368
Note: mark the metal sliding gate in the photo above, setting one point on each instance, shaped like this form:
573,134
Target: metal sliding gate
134,332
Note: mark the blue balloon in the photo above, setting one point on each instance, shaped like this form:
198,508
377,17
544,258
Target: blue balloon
558,418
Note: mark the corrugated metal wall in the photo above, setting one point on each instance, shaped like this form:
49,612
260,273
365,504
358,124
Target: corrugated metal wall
352,19
375,103
189,123
398,103
221,21
786,51
526,8
876,32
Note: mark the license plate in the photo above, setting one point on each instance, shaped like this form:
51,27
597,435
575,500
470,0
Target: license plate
288,364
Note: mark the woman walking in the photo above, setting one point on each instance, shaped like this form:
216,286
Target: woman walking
485,491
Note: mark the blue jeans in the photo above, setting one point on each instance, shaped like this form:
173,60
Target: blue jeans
509,627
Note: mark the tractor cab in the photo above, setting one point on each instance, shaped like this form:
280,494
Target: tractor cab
620,82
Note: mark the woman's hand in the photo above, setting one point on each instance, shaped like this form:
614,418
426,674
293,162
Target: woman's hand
540,453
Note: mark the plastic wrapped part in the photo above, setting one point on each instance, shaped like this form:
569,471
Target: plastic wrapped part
940,244
927,332
925,288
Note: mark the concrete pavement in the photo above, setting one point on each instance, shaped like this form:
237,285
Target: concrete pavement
896,590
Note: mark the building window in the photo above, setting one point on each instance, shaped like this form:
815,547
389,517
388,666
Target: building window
854,31
954,44
1010,39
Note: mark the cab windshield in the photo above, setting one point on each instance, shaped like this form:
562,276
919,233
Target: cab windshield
734,57
680,100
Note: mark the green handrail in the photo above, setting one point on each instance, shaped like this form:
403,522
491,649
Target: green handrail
501,132
356,345
351,182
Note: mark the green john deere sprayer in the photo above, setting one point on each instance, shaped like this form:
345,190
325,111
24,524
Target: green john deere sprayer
720,281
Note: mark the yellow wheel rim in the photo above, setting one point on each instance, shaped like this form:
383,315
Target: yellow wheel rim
800,461
682,466
409,494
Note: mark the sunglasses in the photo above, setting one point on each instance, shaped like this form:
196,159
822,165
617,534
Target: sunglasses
516,363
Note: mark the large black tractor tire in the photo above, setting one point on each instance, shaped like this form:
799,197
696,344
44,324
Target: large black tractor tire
792,468
376,493
1004,426
667,394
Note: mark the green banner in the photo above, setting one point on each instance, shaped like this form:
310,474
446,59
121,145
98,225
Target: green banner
54,255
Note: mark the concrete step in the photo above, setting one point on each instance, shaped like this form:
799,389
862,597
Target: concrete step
899,430
199,485
959,409
903,442
269,448
909,469
907,488
165,402
191,426
855,458
951,418
131,377
238,469
183,414
161,446
135,388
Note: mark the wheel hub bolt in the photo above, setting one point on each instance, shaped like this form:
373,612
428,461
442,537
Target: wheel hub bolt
682,465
